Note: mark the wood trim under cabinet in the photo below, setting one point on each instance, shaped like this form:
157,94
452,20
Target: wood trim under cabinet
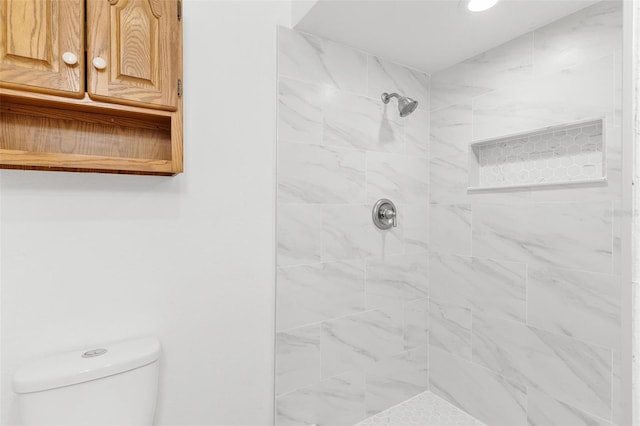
29,148
47,160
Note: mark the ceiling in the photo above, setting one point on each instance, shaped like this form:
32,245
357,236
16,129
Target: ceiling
429,35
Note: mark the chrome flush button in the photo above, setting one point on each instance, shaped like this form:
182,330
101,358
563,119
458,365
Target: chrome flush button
94,352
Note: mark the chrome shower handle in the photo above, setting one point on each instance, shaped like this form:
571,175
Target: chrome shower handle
385,214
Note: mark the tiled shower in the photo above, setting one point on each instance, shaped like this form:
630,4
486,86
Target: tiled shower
352,303
500,296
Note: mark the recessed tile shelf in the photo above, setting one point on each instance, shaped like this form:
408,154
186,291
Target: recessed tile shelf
567,154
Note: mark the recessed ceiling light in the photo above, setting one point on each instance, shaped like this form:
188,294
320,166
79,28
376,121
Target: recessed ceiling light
480,5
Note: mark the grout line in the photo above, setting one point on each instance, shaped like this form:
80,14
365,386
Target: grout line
526,403
367,69
471,335
612,386
274,388
533,53
428,344
526,294
614,234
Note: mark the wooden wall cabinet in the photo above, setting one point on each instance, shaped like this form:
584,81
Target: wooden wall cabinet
108,100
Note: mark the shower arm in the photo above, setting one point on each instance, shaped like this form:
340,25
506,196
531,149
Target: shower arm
386,97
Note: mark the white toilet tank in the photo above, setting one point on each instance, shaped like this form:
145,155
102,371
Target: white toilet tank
110,385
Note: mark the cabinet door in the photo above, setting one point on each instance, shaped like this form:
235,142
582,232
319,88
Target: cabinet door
133,52
42,46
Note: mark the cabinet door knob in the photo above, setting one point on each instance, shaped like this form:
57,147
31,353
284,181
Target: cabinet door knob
99,63
69,58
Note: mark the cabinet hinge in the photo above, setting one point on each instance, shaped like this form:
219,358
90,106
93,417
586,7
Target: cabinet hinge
179,88
179,10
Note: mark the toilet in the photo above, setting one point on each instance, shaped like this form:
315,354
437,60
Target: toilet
109,385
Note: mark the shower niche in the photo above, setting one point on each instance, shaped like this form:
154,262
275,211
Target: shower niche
566,154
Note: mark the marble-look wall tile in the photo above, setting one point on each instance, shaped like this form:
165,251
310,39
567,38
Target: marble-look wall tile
416,323
338,401
415,225
358,341
504,66
348,233
588,34
416,133
299,233
360,122
451,131
450,228
385,76
320,174
450,328
396,379
574,235
595,193
453,86
564,368
581,93
401,178
485,286
311,293
300,107
543,410
578,304
487,396
501,196
449,179
297,358
564,72
396,279
310,58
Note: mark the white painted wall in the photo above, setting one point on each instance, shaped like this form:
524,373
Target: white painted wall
90,258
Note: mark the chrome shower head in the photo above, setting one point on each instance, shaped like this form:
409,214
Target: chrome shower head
406,105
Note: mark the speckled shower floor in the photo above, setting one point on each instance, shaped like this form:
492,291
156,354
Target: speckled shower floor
425,409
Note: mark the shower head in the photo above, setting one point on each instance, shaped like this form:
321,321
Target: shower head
406,105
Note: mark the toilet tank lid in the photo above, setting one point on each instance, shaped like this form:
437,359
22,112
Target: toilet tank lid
83,365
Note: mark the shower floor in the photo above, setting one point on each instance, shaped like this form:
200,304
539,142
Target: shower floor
425,409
